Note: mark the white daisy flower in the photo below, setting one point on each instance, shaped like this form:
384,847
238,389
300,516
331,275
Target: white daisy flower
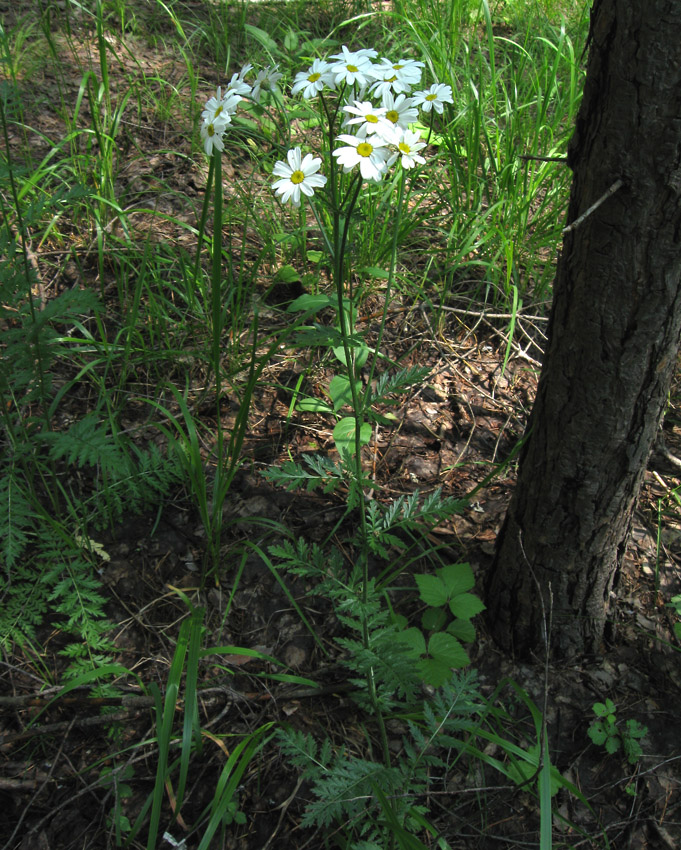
211,133
220,107
407,144
369,152
434,98
399,111
366,114
265,80
352,67
312,81
238,84
296,176
396,76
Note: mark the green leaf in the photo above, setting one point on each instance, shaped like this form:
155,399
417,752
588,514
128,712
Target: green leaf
291,40
310,303
314,256
434,672
432,590
375,272
597,733
314,405
341,392
612,744
458,578
388,419
433,619
361,354
286,274
520,770
463,630
634,729
465,606
400,621
446,648
413,640
262,37
344,435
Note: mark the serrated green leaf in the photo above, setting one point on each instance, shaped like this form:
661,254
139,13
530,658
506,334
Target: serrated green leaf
413,640
465,606
433,619
634,729
463,630
597,733
432,590
458,578
612,744
446,648
434,672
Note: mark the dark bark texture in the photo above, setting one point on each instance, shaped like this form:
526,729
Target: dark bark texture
613,341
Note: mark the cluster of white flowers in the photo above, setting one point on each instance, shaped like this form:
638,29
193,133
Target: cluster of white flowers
382,135
218,111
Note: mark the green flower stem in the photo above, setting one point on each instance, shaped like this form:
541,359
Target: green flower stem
388,289
202,225
340,241
216,330
325,236
216,272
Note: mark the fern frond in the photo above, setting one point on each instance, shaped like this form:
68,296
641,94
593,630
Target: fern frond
395,383
344,792
16,517
86,443
303,751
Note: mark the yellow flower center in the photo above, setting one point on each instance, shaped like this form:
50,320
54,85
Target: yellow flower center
431,97
393,115
218,110
404,147
397,68
313,77
297,177
210,129
364,149
371,119
353,69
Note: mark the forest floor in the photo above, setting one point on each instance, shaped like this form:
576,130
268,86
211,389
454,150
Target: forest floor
467,417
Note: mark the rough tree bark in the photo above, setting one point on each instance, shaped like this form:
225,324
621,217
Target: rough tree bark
613,339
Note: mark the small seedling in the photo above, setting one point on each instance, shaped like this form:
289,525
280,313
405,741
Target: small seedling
446,594
605,732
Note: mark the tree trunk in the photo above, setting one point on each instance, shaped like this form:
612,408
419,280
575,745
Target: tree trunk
613,339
